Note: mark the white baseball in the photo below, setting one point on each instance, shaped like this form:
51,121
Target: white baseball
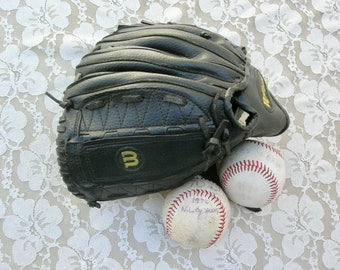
253,175
196,214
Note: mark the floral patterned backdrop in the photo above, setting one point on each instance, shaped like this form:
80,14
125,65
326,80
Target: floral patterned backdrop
294,43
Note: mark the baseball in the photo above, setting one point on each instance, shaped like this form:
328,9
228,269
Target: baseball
196,214
253,175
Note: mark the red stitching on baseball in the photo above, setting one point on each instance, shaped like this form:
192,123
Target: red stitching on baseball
197,192
267,146
254,166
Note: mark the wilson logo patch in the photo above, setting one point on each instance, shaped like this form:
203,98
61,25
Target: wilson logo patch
264,93
130,159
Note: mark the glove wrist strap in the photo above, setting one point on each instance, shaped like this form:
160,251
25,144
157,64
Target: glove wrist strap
214,149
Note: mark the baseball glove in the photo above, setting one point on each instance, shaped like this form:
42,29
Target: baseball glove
154,105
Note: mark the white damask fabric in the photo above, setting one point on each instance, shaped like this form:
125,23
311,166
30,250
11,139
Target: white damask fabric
296,46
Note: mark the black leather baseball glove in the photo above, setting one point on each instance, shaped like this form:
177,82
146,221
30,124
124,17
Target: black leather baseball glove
156,104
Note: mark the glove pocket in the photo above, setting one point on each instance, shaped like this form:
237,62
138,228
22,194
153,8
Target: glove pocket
134,165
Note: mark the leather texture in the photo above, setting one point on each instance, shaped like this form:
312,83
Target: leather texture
154,105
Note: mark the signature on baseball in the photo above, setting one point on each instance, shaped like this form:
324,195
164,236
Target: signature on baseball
197,208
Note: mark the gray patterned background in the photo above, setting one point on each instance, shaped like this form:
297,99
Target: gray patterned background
295,45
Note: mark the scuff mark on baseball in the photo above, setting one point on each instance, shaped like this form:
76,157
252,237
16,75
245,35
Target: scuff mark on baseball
253,175
196,214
